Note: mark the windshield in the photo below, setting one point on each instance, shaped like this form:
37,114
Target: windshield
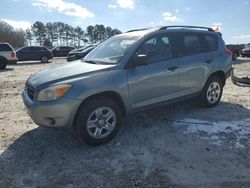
111,50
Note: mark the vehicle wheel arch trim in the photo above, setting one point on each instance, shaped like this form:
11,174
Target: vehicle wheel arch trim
2,57
113,95
221,74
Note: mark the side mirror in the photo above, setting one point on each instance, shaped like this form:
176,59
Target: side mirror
140,59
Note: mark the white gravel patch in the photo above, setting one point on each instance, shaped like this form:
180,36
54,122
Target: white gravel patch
241,129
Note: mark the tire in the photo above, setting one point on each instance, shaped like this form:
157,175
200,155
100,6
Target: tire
212,92
98,121
44,59
3,64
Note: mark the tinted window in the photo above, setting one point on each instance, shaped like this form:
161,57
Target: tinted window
157,49
36,48
194,43
5,47
211,42
25,49
191,45
65,48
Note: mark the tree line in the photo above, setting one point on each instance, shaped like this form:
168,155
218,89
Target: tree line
55,34
8,34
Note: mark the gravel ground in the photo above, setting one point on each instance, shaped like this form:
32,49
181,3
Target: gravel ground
181,145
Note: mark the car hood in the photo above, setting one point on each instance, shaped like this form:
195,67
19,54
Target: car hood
65,72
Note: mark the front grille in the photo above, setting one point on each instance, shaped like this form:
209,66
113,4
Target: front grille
30,92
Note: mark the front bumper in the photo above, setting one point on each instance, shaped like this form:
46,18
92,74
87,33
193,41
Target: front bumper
59,113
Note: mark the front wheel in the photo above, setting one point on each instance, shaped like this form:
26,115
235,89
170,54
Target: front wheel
212,92
98,121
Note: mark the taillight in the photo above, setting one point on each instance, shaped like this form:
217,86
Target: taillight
228,52
13,54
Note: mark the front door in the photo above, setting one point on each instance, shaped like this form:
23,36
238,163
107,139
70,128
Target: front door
158,80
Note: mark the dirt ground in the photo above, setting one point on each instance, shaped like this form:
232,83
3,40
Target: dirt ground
181,145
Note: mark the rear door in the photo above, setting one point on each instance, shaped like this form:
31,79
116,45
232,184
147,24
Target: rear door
157,81
194,52
24,54
37,53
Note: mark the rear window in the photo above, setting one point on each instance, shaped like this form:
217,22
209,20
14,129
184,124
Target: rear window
5,47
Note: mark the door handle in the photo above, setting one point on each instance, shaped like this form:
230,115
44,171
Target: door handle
209,61
173,68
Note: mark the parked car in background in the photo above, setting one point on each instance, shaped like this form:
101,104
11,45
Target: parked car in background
7,55
235,49
61,51
34,53
126,73
79,53
246,52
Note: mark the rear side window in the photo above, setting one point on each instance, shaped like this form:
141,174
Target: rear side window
211,43
26,49
36,48
191,45
5,47
194,43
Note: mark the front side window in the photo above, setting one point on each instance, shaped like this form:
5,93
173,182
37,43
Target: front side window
156,49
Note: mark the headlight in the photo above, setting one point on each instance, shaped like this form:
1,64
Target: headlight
53,93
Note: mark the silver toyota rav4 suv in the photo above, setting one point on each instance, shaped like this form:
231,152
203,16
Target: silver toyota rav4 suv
128,72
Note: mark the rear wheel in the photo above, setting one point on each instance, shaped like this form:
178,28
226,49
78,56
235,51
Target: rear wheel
44,59
212,92
98,121
3,63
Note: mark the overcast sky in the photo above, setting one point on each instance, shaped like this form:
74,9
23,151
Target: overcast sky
233,17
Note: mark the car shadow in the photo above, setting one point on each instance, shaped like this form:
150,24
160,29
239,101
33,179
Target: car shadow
53,157
7,69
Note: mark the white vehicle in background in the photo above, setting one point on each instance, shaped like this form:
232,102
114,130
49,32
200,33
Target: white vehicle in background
7,55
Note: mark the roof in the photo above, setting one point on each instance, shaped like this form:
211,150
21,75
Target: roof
150,29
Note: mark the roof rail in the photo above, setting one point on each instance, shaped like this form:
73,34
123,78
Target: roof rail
143,29
187,26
